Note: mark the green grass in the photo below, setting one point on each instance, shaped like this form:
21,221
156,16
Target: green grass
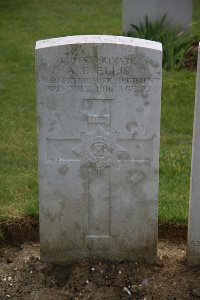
196,20
176,138
22,22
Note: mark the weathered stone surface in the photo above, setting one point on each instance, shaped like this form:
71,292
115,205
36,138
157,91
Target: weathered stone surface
193,250
179,12
99,130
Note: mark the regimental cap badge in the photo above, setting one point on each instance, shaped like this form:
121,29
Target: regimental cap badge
99,149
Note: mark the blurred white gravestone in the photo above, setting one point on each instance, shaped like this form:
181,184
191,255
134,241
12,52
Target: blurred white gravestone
193,247
179,12
99,131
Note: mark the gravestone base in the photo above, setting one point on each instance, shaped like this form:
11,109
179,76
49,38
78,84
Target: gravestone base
112,255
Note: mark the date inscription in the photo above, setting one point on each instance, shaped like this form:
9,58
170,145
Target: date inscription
102,75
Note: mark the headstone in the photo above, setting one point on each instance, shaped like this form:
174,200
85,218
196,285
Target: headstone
193,246
179,12
99,130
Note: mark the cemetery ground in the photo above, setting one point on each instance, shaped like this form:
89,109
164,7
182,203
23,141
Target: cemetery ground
22,23
23,276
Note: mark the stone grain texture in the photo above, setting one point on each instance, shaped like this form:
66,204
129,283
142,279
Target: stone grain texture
98,103
193,249
179,12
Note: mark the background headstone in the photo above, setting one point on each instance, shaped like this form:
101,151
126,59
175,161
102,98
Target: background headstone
99,131
179,12
193,249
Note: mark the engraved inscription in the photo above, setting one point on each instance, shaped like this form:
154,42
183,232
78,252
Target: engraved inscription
134,74
97,111
99,107
105,119
137,85
99,149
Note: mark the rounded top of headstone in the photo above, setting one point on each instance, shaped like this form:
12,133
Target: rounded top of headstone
98,39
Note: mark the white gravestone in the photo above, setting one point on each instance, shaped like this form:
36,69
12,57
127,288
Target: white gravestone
99,130
193,249
179,12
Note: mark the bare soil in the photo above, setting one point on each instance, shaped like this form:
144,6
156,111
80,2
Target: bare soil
191,57
24,276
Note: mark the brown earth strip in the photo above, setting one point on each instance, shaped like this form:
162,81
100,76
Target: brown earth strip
23,276
23,230
18,231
